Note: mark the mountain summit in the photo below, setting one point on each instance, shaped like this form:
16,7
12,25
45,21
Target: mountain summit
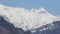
26,19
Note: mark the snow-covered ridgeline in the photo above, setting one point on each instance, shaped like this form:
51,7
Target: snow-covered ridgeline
26,19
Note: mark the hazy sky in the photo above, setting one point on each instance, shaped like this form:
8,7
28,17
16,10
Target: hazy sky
52,6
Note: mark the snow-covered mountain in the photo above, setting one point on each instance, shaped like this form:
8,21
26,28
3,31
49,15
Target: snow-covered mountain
27,19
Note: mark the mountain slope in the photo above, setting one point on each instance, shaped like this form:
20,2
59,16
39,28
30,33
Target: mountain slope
52,30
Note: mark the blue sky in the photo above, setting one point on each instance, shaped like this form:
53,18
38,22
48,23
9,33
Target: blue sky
52,6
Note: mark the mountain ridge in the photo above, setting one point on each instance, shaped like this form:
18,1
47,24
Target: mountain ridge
23,18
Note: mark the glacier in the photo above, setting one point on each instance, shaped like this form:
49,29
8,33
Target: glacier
27,19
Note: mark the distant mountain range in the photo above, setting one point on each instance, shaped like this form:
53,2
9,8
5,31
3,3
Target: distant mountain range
35,20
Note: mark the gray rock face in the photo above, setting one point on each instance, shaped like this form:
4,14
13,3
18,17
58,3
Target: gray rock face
4,30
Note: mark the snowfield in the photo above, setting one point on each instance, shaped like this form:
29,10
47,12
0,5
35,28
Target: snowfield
26,19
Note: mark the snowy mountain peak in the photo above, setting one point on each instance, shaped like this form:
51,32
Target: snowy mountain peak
42,9
26,19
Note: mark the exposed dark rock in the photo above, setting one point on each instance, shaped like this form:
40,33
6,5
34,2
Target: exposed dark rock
4,30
